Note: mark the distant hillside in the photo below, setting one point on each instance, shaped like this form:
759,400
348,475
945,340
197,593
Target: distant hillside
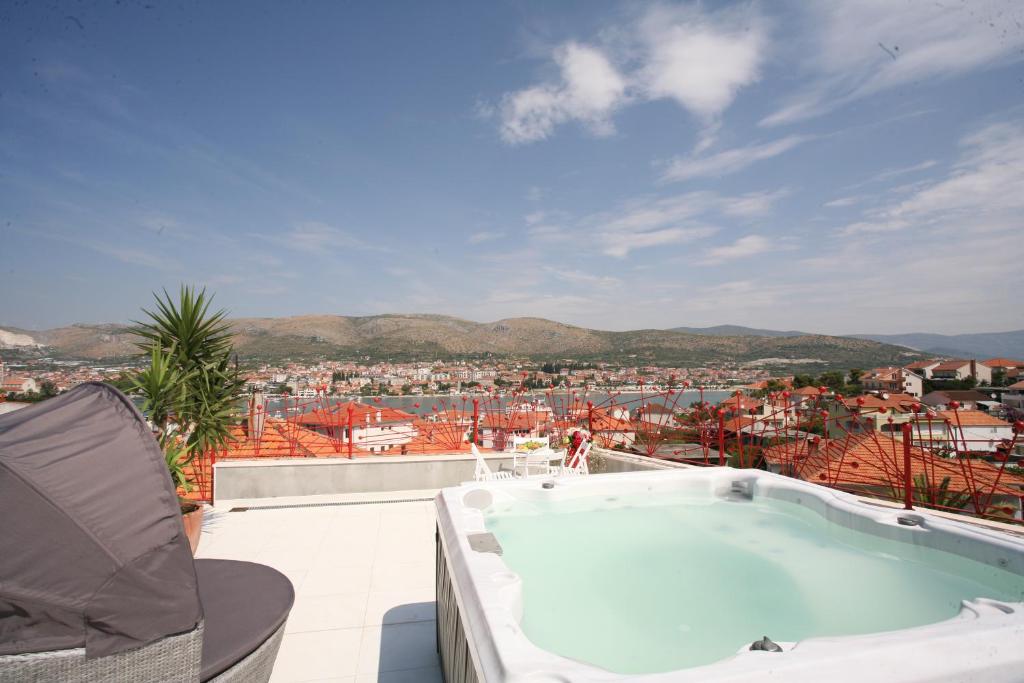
427,337
738,331
979,345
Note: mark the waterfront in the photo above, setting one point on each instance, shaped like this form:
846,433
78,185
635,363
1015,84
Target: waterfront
558,401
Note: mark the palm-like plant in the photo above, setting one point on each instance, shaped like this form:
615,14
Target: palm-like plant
190,389
163,387
939,496
177,455
187,327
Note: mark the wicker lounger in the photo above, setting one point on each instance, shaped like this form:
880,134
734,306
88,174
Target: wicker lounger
97,582
176,658
245,654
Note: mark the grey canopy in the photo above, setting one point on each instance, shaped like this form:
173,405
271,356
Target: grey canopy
93,551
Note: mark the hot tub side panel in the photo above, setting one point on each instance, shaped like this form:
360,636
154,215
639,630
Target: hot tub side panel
452,644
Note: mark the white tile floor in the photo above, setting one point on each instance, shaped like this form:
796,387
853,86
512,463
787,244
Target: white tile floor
364,584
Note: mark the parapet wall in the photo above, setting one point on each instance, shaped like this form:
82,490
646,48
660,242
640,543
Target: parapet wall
270,478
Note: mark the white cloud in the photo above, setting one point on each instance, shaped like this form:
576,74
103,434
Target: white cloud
744,247
843,202
545,226
645,222
586,279
874,226
535,217
549,233
589,90
896,172
318,238
728,161
862,47
952,242
485,236
752,204
620,244
698,59
137,257
984,190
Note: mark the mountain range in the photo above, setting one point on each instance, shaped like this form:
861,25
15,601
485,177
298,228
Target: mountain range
976,345
427,337
739,331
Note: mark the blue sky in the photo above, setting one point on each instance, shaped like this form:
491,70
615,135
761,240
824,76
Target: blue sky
832,167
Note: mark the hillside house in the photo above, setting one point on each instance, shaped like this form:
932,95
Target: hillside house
18,384
962,369
969,399
922,367
375,428
885,413
892,380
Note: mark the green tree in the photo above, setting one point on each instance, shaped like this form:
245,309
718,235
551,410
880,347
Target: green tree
800,381
834,380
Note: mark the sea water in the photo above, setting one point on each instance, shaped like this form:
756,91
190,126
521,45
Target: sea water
653,584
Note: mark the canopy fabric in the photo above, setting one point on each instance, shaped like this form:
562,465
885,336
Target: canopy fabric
93,550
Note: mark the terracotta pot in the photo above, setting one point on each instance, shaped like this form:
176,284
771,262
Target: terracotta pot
192,515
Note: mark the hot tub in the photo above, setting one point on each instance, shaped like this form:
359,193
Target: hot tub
673,575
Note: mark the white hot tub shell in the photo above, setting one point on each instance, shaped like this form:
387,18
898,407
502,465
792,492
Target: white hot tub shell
480,603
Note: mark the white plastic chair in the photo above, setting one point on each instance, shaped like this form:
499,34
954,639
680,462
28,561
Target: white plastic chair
483,472
581,458
538,463
527,463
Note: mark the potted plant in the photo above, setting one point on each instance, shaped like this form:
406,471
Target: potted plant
177,455
190,389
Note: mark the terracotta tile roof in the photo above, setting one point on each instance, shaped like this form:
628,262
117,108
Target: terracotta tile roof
656,409
877,461
958,395
1003,363
948,365
972,418
921,364
521,420
338,415
1017,386
284,439
900,402
743,403
434,438
786,382
735,424
603,422
807,391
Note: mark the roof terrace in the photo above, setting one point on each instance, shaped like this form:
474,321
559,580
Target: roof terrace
363,571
